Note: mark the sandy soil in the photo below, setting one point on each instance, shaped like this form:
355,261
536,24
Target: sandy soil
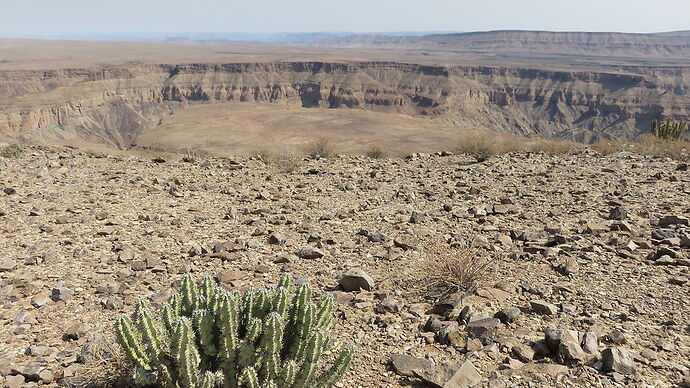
238,128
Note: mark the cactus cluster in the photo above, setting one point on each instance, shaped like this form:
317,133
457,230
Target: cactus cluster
206,336
668,129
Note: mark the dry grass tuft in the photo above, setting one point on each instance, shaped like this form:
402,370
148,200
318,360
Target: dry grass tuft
376,152
445,270
484,145
108,373
654,146
649,145
281,157
608,147
319,148
554,147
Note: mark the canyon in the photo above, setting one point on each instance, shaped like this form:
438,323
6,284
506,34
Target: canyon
367,167
114,98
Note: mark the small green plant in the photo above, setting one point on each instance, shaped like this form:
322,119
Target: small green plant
11,151
209,337
668,129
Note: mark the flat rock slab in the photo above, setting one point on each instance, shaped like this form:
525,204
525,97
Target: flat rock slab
7,265
310,253
542,307
355,280
405,365
543,369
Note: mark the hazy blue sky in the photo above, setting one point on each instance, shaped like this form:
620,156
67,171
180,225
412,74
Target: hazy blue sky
47,17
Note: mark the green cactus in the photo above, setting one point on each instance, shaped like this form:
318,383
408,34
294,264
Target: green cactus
249,378
206,337
668,129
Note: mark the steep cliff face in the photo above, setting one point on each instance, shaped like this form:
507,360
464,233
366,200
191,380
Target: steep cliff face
113,104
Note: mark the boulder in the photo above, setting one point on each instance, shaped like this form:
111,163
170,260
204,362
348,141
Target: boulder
673,220
523,352
570,351
483,329
466,376
617,360
310,253
508,315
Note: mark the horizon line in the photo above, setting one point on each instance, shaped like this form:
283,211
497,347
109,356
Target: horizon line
183,34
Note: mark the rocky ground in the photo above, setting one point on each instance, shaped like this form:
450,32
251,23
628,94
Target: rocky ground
589,284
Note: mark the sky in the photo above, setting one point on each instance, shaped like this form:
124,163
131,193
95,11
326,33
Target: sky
62,17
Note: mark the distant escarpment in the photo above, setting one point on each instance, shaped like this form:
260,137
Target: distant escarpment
672,45
113,104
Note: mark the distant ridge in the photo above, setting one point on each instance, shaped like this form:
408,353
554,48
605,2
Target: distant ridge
685,33
610,44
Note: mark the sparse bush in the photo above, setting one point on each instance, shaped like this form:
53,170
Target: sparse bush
668,129
478,147
607,147
319,148
11,151
376,152
554,147
206,336
281,157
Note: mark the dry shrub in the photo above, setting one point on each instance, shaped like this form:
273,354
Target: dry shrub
481,148
448,271
191,155
319,148
281,157
608,147
554,147
108,373
11,151
654,146
105,367
376,152
483,145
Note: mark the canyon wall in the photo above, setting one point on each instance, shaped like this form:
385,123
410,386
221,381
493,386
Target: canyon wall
112,104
